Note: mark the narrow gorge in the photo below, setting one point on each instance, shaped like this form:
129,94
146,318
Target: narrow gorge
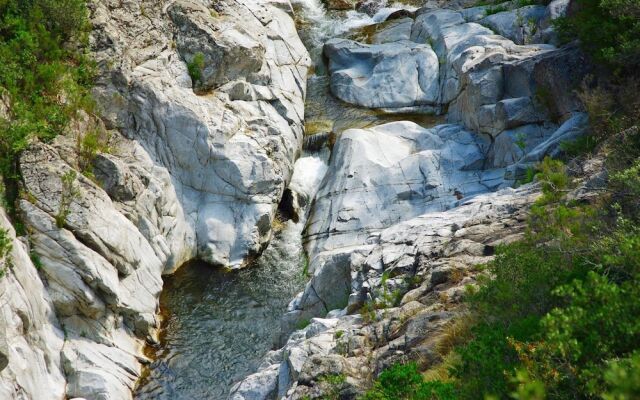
274,167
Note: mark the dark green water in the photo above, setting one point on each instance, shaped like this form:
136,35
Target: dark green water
220,324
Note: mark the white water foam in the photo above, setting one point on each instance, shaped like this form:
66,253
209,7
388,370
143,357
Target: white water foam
324,25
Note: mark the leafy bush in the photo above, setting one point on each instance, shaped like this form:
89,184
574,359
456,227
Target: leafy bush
64,18
609,30
404,382
195,67
556,314
88,146
599,322
495,10
6,244
44,74
622,378
67,196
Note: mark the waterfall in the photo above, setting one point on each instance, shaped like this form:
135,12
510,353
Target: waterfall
319,25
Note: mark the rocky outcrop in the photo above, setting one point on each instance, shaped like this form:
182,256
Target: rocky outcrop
101,261
393,172
203,107
519,95
404,212
230,147
400,204
430,60
398,74
416,272
381,176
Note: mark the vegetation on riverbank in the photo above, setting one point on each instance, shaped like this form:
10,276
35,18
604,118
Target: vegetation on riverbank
556,315
45,76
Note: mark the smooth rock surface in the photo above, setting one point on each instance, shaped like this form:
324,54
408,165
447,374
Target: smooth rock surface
30,336
195,168
392,172
229,148
396,74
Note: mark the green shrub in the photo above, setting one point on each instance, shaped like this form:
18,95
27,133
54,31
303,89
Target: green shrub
63,17
509,304
609,30
404,382
622,378
582,145
495,10
88,146
554,179
44,73
598,322
67,196
195,67
303,324
628,181
6,243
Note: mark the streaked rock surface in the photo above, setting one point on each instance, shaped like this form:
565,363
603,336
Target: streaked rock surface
194,169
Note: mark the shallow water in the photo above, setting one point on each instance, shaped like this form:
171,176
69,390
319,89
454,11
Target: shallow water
219,324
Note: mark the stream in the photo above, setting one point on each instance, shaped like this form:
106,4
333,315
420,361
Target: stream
218,325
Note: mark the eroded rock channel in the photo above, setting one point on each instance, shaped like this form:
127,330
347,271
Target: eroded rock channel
396,132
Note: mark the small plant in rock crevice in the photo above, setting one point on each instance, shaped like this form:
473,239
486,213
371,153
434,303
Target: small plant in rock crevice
88,146
303,324
6,245
67,196
195,67
333,384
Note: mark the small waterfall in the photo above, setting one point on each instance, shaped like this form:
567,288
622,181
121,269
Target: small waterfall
318,141
319,25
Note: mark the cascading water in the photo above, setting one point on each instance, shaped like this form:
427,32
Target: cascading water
323,112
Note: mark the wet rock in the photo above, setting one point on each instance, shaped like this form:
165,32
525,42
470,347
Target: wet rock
341,4
394,31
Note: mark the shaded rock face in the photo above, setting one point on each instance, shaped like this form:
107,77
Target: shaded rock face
195,168
230,148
